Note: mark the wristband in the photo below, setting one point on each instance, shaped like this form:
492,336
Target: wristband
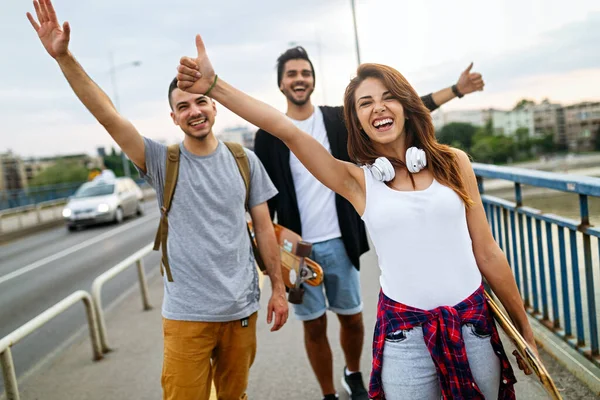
456,92
213,85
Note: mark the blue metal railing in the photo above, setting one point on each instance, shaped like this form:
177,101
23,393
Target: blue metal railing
553,258
34,195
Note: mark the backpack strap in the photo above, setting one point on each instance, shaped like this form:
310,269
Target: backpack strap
243,164
172,172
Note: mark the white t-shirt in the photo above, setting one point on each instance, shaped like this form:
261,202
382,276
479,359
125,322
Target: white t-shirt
316,202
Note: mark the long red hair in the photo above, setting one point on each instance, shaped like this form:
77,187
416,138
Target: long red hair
418,129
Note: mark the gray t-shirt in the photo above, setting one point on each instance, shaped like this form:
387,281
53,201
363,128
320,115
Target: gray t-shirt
210,255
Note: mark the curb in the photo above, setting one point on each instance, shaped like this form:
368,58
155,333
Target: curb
582,368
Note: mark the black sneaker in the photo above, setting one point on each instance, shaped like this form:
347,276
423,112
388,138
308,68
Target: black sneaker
353,384
331,397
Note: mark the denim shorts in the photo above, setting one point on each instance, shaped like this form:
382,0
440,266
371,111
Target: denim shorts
340,290
408,371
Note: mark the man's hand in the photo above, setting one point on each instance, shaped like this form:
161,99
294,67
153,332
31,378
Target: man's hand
278,305
469,82
54,39
195,75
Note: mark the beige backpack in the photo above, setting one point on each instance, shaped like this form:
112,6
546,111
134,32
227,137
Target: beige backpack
172,172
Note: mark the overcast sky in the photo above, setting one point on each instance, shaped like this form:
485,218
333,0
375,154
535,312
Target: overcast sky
524,48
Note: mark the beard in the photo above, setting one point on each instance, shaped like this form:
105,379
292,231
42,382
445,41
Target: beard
299,102
200,136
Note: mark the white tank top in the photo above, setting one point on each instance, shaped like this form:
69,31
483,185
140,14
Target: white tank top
423,244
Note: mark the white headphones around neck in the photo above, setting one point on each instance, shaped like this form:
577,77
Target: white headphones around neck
383,170
416,159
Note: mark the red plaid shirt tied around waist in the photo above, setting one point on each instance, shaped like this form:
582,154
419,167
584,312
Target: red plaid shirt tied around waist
443,336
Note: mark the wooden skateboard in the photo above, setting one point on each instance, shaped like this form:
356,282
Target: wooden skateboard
296,267
524,350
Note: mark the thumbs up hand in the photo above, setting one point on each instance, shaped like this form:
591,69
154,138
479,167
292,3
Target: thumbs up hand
469,82
196,75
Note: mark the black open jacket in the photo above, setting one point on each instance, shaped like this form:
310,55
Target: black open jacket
275,156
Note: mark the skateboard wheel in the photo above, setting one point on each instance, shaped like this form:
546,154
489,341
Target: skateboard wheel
296,295
303,249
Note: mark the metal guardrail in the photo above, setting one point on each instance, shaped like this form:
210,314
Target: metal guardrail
95,317
108,275
25,220
551,256
37,208
14,198
8,369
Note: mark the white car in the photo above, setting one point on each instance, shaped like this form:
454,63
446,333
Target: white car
103,200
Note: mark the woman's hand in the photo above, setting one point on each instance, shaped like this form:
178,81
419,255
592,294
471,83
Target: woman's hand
524,366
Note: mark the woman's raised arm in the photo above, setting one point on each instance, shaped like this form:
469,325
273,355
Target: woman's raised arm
198,76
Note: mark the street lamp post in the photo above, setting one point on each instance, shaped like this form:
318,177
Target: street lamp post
113,77
352,2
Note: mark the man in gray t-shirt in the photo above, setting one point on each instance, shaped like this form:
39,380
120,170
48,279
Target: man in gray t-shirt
210,307
209,249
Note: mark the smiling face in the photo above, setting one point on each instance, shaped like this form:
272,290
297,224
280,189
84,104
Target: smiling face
194,114
297,81
380,115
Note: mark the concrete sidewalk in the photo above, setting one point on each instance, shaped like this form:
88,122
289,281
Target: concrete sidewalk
131,371
281,370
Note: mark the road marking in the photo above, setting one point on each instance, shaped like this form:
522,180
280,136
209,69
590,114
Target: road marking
70,250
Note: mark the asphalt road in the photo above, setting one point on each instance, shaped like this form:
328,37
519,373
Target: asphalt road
38,271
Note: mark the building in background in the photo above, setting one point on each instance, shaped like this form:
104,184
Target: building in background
473,117
582,122
243,135
33,166
549,118
508,122
437,118
539,119
12,172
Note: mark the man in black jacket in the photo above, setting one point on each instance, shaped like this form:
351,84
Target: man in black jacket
326,219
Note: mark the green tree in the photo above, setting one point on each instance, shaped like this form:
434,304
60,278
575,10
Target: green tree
523,103
457,134
114,162
522,135
545,143
483,150
504,149
493,149
524,143
484,131
61,172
